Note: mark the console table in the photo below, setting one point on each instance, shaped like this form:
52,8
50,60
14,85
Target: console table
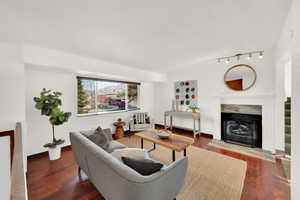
194,116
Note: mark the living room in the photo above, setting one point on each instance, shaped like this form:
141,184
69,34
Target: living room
142,71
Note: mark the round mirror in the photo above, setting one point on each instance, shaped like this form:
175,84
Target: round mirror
240,77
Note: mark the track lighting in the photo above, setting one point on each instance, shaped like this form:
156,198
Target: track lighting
238,56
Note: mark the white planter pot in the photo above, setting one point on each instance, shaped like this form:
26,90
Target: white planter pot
54,153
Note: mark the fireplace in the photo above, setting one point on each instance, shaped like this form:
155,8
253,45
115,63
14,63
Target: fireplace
241,128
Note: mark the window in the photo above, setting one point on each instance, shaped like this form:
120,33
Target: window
99,96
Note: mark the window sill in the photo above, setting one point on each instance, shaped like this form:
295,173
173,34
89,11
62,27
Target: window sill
107,112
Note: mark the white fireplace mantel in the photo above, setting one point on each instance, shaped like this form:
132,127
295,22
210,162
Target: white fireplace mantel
266,100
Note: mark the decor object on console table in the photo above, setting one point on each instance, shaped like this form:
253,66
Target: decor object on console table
119,128
193,108
49,103
195,116
141,121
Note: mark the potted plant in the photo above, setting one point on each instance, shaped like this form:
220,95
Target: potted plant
193,108
49,103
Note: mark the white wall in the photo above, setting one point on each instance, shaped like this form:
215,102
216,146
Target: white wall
11,76
295,161
39,130
5,168
12,102
212,91
282,59
45,58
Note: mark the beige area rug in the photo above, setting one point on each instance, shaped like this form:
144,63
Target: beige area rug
254,152
210,176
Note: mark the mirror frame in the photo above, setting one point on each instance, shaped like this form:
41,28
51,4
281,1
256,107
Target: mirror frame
241,65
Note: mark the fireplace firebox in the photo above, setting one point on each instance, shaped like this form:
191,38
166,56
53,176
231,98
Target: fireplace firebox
243,129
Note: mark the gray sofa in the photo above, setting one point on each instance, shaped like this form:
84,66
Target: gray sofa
116,181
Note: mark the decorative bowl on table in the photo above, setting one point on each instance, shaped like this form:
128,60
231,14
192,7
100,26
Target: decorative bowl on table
163,134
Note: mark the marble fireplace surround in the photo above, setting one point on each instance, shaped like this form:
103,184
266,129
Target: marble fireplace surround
252,103
241,109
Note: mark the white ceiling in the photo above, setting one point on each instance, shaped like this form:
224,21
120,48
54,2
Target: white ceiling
154,35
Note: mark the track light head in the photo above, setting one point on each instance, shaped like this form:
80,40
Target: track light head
227,60
249,56
261,55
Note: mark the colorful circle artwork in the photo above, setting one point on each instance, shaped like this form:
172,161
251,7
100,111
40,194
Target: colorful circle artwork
186,93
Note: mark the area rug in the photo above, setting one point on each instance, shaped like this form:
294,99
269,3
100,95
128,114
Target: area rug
254,152
210,176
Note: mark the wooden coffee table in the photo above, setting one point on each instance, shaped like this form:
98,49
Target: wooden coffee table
174,142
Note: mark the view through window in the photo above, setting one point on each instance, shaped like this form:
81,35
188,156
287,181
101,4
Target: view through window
96,96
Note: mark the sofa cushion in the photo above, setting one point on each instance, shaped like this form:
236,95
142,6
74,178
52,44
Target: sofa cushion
108,133
113,145
98,137
143,166
131,153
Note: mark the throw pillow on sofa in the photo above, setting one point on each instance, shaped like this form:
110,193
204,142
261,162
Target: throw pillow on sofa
98,137
145,167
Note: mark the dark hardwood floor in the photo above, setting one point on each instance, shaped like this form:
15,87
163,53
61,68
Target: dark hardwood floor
49,180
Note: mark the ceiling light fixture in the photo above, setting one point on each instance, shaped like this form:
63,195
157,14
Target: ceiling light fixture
238,56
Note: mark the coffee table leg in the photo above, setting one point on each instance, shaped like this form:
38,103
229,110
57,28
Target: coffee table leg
173,155
184,152
142,143
154,147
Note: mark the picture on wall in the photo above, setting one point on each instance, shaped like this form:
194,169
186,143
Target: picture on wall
186,92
